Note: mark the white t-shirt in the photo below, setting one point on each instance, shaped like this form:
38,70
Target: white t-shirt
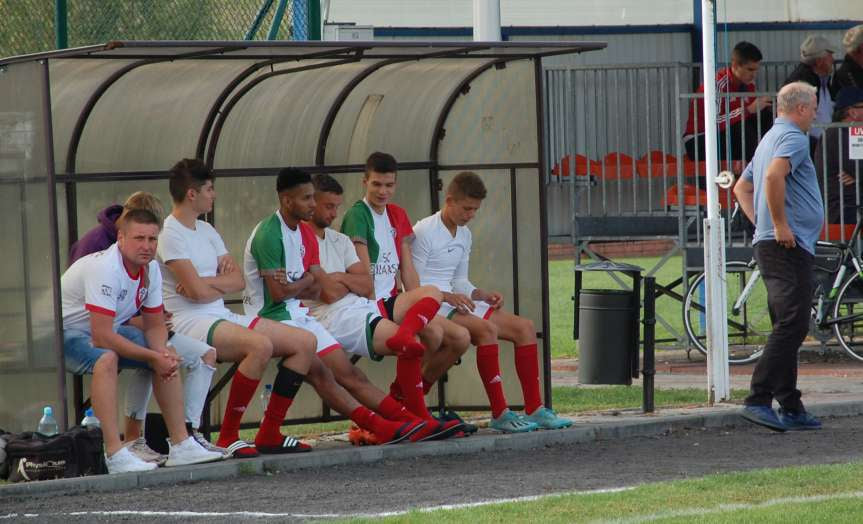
99,282
293,252
385,269
201,246
337,254
440,258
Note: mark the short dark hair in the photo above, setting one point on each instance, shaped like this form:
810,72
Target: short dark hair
381,163
840,114
466,184
188,173
291,177
138,216
327,184
746,53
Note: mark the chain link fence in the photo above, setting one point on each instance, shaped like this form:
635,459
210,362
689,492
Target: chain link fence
27,26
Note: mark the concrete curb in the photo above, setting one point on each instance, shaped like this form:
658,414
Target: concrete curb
582,432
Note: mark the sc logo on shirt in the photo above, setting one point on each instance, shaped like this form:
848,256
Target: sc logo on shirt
393,232
142,295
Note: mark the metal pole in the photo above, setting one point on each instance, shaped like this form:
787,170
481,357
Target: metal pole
277,20
259,18
486,20
718,385
314,20
61,27
648,365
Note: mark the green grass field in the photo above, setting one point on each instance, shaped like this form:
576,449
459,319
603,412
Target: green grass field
811,494
562,286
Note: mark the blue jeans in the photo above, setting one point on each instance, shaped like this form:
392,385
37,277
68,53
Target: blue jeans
80,355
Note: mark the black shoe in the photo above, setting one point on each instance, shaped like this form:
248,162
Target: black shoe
798,420
763,416
467,427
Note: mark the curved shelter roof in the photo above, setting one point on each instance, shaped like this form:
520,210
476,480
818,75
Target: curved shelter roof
328,103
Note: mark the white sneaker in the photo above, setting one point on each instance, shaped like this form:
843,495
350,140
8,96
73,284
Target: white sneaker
124,461
190,452
140,449
209,446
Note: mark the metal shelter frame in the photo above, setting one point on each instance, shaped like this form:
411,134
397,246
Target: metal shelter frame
307,56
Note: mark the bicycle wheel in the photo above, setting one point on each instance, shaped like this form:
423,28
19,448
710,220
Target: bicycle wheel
848,316
748,328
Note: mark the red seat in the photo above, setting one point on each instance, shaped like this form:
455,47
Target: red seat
693,196
660,164
583,166
618,165
691,168
833,232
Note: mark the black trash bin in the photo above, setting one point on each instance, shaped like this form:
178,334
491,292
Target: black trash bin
606,326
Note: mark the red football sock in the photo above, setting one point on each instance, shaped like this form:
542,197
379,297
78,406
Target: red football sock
269,432
370,421
409,377
528,374
396,390
415,319
427,385
285,388
394,410
489,371
242,389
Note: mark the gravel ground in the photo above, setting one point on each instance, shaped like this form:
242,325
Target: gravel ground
401,485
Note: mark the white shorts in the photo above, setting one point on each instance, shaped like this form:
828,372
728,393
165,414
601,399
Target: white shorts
326,342
201,327
189,349
352,327
481,310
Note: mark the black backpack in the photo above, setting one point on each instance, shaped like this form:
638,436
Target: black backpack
74,453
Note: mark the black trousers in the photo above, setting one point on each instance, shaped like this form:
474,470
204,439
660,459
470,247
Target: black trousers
743,137
788,277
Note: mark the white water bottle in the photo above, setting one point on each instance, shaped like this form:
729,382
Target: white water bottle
265,396
48,424
90,421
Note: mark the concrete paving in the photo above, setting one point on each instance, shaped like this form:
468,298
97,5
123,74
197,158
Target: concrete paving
831,387
829,377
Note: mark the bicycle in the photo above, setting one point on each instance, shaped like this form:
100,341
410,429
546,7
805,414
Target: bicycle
833,310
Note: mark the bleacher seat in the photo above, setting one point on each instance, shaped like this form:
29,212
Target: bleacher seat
617,165
583,166
656,164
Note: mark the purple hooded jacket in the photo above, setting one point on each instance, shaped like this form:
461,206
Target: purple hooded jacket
100,237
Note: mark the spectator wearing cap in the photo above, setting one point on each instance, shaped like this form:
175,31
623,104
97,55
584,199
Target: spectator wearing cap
816,65
837,173
850,73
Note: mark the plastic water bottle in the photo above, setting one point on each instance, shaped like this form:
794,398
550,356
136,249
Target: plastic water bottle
48,424
265,396
90,421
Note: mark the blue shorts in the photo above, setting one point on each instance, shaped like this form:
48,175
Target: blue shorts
81,356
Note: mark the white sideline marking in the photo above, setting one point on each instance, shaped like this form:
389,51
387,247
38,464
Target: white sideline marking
725,508
262,515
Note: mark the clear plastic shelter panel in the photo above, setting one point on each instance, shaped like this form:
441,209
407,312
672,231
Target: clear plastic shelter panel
495,254
28,357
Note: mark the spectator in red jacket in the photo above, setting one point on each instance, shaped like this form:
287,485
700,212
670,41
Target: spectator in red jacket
741,121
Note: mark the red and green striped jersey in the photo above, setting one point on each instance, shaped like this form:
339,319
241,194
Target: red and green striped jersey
273,245
383,234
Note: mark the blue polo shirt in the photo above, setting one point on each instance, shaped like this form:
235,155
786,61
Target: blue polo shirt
804,207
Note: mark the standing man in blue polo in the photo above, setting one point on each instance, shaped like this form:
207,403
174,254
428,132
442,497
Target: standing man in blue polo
779,193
